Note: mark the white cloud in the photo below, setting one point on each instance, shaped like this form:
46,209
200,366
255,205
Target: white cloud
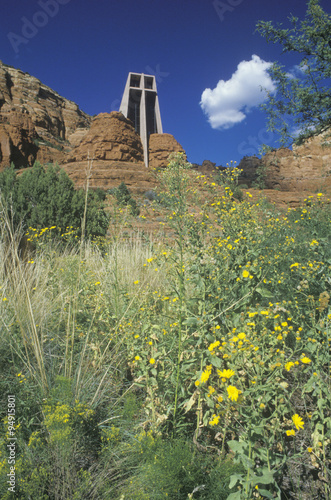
297,71
229,102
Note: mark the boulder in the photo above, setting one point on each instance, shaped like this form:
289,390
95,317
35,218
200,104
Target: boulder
113,150
110,137
160,147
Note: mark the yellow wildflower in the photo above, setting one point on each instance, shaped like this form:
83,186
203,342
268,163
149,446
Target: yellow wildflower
225,373
213,345
298,422
205,376
233,392
214,420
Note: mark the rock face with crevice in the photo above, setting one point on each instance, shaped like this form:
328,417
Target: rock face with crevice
307,167
36,123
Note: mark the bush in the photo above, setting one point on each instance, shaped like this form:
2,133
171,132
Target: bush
150,195
174,468
42,197
124,198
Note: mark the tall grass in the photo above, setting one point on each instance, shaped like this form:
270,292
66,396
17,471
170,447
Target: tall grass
61,310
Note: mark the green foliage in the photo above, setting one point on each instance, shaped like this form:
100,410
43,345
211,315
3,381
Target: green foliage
45,464
174,468
37,142
261,172
305,98
42,197
124,198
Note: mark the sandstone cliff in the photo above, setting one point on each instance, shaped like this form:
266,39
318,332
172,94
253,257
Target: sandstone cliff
110,137
36,123
285,176
305,168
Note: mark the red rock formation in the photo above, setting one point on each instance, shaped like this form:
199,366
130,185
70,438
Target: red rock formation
249,166
117,154
107,174
160,147
36,123
17,140
306,168
111,137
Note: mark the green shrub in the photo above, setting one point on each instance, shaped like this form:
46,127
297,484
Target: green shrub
45,196
124,198
174,468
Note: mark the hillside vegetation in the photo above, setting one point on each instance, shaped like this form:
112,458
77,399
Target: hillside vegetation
193,366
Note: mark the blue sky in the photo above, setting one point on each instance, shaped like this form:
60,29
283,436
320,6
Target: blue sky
84,49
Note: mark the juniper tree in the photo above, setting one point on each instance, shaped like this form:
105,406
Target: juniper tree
303,98
41,197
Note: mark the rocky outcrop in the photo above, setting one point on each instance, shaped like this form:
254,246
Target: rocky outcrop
111,137
160,147
117,153
208,168
36,123
305,168
17,140
107,174
250,166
